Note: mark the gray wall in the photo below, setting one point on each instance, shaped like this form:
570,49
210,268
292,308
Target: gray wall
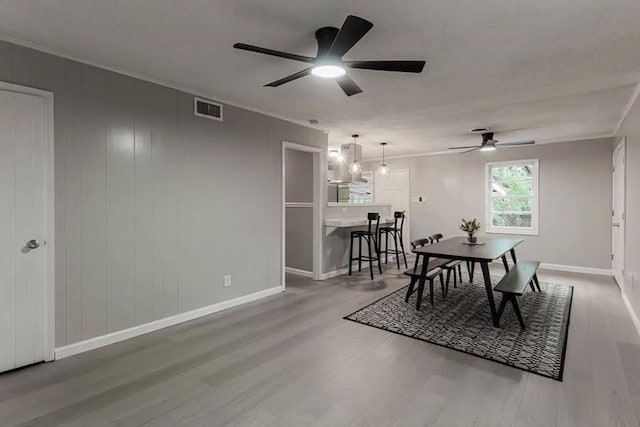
575,198
299,220
631,129
298,176
299,238
153,205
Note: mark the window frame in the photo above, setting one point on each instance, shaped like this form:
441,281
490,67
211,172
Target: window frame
535,211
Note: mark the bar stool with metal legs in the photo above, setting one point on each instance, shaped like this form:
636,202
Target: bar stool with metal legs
370,236
396,233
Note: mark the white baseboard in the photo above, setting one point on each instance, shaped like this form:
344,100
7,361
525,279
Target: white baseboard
632,313
577,269
340,272
335,273
568,268
546,266
298,272
114,337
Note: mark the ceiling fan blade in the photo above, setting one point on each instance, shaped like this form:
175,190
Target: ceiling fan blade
468,151
513,144
402,66
352,31
348,86
291,77
462,148
272,52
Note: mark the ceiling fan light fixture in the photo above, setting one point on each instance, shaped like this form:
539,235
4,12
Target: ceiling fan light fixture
488,147
328,71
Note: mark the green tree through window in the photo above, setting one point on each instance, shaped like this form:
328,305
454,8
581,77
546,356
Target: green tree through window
511,202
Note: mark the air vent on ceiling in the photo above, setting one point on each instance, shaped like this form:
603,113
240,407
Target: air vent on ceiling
207,109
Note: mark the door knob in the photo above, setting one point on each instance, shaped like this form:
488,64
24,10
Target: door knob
33,244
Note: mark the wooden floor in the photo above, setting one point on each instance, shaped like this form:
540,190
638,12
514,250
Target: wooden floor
290,360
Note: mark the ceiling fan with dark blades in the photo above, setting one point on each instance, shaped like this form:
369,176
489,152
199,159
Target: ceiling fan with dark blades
490,144
333,43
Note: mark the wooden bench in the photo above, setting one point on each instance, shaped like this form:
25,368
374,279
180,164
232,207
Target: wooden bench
433,271
513,285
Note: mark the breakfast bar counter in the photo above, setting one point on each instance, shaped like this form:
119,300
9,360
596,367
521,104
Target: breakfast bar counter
352,222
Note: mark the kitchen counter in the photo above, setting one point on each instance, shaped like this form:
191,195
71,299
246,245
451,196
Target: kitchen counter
357,205
353,222
339,222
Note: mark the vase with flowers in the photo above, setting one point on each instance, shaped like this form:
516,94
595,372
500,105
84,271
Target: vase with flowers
471,227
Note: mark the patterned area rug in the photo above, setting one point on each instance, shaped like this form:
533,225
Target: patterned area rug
462,322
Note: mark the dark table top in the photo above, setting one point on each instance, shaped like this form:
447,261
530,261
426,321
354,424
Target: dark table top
454,248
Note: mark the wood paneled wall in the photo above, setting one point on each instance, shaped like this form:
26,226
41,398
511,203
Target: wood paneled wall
153,206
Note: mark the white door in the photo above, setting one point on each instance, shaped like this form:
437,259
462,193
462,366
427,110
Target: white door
22,230
618,215
394,188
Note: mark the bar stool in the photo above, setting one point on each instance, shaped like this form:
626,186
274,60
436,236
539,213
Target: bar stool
370,237
396,233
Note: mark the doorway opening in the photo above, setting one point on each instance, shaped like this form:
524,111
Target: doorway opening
301,210
393,188
618,213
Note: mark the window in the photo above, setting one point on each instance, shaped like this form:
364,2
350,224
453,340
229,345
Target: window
512,197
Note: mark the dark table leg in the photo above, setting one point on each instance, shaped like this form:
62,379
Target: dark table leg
488,287
506,264
423,278
471,268
513,256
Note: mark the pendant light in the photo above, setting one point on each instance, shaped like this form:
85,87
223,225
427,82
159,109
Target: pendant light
355,168
383,169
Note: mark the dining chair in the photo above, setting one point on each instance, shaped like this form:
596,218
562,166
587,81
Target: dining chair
433,270
449,265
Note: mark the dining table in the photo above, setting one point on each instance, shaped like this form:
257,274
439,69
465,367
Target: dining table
483,251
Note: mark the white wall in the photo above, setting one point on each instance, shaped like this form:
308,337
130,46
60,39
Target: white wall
153,206
575,198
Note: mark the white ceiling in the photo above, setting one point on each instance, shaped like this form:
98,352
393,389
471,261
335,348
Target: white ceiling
549,70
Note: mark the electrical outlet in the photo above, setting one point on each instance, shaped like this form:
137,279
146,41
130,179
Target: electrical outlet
227,280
